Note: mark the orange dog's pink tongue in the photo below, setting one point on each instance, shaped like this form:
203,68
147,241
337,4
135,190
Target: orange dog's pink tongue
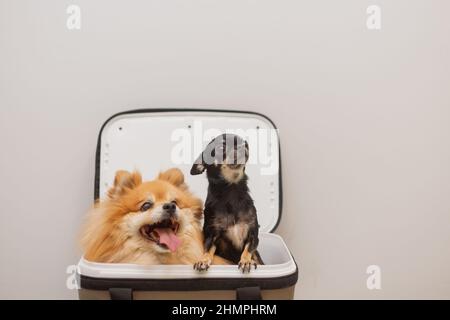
168,237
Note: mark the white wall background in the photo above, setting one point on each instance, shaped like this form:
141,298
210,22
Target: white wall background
363,117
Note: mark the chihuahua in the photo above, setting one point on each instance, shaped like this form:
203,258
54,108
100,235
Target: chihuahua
230,223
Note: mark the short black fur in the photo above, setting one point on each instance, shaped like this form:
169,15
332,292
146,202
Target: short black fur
228,203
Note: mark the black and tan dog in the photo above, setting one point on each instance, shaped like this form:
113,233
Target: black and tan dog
230,222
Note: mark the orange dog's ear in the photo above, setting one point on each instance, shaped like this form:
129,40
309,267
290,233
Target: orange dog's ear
173,176
124,181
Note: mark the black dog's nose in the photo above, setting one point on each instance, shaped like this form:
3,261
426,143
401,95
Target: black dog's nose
169,207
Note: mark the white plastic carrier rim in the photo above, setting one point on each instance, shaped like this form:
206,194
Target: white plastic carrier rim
133,271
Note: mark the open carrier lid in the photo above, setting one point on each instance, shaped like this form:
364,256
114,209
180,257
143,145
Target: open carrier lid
153,140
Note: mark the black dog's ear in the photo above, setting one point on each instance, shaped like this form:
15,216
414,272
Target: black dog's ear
199,166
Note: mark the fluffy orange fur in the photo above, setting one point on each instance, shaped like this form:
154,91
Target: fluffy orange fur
111,234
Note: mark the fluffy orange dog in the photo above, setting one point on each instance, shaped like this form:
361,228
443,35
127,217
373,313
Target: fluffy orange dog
154,222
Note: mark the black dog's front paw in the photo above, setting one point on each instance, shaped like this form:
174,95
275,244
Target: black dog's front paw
203,265
245,265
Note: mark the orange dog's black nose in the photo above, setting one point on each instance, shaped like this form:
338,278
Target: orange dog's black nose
169,207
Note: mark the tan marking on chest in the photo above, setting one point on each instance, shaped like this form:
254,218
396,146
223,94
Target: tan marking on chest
237,234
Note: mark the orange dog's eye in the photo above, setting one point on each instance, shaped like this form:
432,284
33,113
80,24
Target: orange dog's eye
147,205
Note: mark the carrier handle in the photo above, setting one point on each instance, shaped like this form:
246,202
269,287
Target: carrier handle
248,293
121,293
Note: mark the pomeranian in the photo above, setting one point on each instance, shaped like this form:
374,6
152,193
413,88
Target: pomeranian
154,222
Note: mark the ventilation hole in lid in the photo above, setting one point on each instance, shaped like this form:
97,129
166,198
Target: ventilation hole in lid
120,128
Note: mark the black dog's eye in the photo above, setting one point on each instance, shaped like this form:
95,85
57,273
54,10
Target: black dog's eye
147,205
